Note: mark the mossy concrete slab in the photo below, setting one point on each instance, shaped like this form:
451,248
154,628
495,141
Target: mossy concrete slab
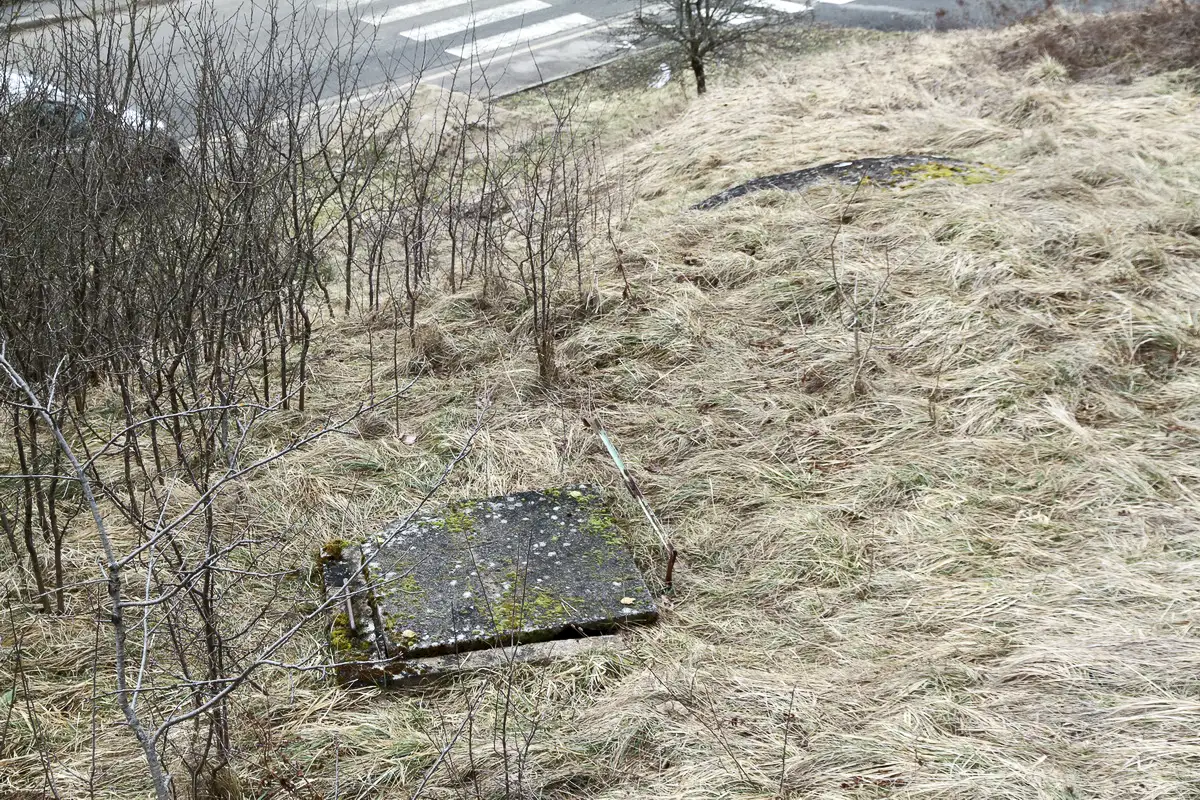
508,570
898,172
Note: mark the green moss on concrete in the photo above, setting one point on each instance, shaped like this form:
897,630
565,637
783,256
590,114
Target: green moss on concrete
964,174
455,520
346,644
528,606
600,523
599,557
467,578
333,549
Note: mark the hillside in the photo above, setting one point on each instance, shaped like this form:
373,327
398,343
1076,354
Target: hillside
930,456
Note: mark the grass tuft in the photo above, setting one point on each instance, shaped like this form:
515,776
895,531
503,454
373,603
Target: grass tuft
1160,38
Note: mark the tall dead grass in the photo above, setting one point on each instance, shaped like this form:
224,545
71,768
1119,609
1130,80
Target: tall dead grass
957,561
1159,38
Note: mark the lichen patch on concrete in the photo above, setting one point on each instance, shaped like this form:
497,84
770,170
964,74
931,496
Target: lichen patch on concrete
514,569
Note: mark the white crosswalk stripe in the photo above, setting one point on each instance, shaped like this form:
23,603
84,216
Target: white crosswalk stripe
473,21
470,18
411,10
527,33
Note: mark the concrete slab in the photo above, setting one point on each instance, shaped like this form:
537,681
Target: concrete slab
503,571
898,172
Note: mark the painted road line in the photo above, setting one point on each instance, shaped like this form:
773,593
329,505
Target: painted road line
411,10
474,20
527,33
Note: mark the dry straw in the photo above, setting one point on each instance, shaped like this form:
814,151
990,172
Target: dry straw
941,547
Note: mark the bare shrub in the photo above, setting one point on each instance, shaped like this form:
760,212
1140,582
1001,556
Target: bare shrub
703,29
559,205
1160,38
157,304
163,285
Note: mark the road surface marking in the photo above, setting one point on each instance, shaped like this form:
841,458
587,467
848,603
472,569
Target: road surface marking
413,10
474,20
527,33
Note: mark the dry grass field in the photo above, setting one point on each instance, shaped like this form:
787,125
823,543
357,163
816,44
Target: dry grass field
931,458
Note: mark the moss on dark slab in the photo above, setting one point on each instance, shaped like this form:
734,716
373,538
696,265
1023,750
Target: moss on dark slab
523,568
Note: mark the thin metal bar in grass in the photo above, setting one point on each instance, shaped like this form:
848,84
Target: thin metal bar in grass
630,484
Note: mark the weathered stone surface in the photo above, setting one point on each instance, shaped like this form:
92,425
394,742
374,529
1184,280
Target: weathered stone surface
514,569
891,171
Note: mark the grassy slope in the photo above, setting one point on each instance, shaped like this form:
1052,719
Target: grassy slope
957,564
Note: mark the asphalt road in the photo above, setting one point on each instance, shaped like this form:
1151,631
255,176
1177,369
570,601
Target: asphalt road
513,44
506,45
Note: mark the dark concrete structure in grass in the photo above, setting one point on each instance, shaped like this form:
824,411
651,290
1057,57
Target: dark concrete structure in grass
520,569
896,172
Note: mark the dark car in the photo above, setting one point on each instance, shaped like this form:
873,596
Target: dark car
40,120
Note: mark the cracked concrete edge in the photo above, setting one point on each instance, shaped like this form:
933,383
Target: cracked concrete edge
346,591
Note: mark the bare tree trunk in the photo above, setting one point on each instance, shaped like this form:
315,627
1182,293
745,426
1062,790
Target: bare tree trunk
698,71
28,467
